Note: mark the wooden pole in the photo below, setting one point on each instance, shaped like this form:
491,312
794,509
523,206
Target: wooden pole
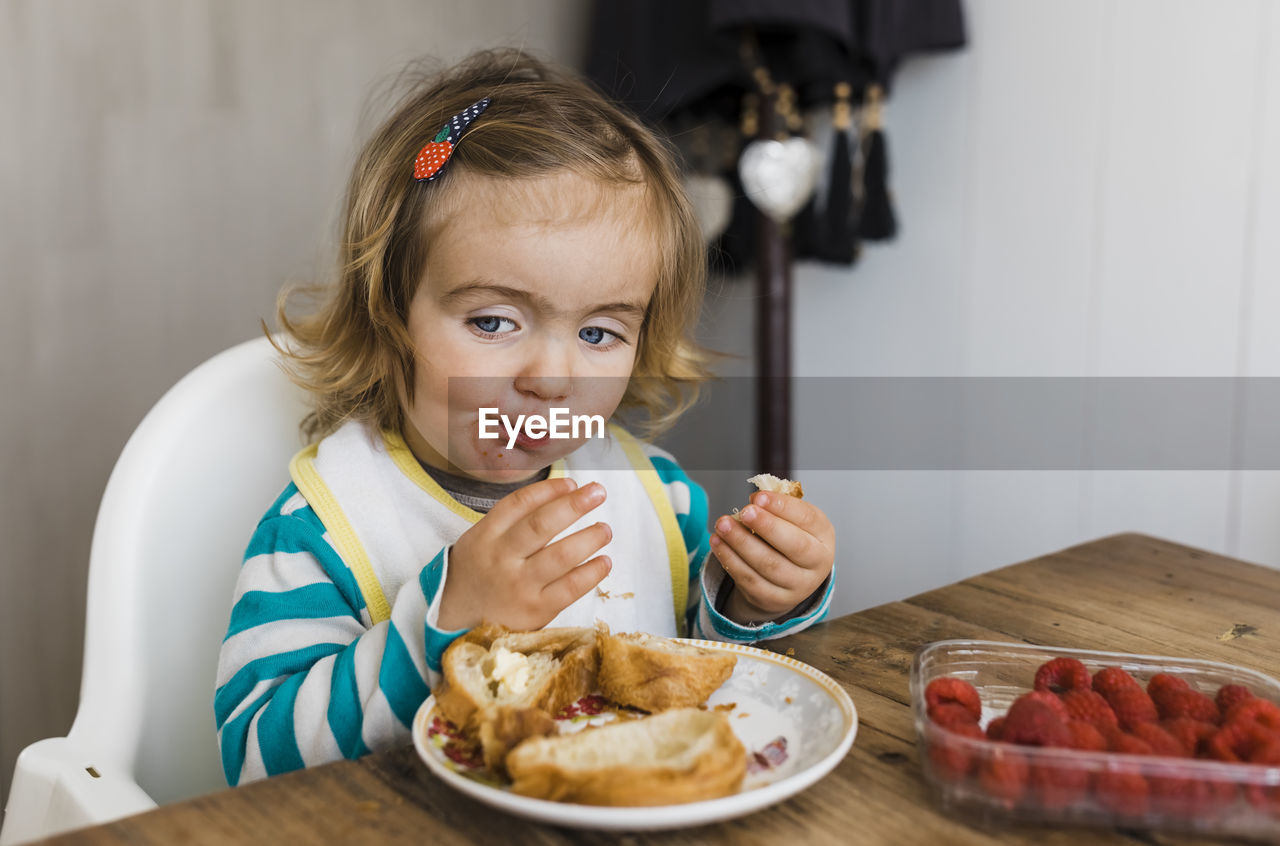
773,328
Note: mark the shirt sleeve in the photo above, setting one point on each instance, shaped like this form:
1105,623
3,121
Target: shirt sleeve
304,677
708,579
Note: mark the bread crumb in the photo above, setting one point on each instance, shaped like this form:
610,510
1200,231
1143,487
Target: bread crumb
743,714
727,706
787,700
791,650
604,594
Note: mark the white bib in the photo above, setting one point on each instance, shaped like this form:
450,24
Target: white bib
388,518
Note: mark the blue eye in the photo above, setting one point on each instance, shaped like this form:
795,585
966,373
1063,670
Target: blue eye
492,324
598,337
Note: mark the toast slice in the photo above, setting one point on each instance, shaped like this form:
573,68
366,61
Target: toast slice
683,755
656,673
503,687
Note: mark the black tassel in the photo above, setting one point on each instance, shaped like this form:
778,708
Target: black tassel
878,221
839,241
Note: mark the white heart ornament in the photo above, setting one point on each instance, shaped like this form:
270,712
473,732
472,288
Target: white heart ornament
779,176
712,200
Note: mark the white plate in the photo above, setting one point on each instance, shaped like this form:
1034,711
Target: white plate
773,696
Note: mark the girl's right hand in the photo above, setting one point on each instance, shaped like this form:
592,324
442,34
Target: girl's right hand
502,569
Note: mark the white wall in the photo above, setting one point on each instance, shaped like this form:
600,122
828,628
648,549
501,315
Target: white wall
1091,189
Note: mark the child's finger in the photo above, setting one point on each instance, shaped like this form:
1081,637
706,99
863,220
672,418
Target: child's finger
516,505
760,591
553,561
795,544
536,529
803,514
574,584
763,559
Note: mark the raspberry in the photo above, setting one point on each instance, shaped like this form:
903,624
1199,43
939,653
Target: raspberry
1160,741
953,690
1034,723
1266,752
1260,711
1110,679
995,729
1260,796
1230,695
1236,741
1177,793
951,715
1188,732
1126,744
1004,775
1088,705
1172,791
1063,674
1058,784
1086,736
1265,797
954,758
1053,702
1132,706
1121,792
1162,683
1221,746
1187,703
1268,797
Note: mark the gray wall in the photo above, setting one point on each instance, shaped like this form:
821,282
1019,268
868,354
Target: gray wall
165,166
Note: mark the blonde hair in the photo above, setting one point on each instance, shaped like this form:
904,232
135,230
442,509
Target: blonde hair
354,351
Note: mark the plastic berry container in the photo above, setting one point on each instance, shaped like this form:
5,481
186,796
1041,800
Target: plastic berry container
993,782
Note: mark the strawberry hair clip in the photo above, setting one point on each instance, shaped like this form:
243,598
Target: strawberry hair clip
435,155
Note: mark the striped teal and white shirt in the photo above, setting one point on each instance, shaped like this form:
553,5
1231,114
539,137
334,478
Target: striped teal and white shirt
311,671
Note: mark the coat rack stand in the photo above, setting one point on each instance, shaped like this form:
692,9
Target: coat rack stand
773,329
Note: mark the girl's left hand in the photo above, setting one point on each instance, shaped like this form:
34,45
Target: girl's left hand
789,555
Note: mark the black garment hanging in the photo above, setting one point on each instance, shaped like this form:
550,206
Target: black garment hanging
681,61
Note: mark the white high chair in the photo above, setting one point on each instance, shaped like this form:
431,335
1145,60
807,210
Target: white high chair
189,487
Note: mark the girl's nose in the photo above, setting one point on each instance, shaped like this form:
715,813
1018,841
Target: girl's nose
547,388
546,374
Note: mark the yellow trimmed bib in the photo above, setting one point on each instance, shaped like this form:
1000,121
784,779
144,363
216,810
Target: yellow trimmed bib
387,518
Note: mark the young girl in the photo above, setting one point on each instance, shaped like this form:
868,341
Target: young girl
514,242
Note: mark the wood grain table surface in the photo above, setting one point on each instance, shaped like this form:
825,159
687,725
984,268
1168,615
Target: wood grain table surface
1129,593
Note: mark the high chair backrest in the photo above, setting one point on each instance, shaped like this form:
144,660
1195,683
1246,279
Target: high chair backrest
192,482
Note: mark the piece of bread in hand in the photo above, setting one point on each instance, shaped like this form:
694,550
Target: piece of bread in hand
683,755
656,673
503,687
770,482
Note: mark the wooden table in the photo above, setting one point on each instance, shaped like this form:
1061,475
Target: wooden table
1129,592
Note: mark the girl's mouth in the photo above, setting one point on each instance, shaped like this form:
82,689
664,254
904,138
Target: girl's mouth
524,441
